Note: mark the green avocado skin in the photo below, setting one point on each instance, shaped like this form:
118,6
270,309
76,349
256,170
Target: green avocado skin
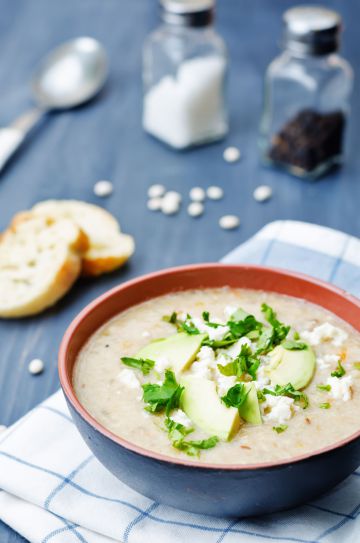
179,349
295,367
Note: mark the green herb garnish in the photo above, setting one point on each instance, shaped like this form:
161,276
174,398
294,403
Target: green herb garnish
235,396
182,326
280,429
292,345
289,391
261,396
339,372
279,330
176,430
325,405
357,365
246,363
143,364
163,397
241,328
325,388
206,318
192,448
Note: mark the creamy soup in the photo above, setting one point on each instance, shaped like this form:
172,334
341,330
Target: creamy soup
244,382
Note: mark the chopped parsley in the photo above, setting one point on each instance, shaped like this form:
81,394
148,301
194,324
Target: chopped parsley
325,405
324,388
339,372
261,396
206,318
292,345
176,430
163,397
235,396
280,429
241,328
143,364
243,365
279,330
182,326
192,448
289,391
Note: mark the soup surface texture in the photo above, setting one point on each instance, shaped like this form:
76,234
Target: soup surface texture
315,405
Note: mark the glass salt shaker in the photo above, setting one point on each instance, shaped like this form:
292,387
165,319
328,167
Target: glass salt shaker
184,72
307,92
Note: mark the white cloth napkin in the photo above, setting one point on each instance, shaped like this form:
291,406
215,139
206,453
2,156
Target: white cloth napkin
54,490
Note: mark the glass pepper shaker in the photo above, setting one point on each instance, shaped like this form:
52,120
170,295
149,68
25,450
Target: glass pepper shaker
184,72
307,92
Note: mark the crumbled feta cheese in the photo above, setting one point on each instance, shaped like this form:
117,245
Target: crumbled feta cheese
129,379
146,333
204,363
229,311
327,360
224,382
325,332
261,379
277,409
180,417
215,334
340,387
161,364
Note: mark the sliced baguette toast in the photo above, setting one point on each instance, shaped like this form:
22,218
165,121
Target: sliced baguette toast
40,259
108,249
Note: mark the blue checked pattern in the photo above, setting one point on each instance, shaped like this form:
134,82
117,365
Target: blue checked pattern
55,491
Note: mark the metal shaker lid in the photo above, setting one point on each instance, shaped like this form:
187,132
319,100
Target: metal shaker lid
312,30
188,12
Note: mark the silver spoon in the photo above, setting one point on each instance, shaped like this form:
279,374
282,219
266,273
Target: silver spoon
69,76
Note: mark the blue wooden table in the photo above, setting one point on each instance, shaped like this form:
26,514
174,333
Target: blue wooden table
70,151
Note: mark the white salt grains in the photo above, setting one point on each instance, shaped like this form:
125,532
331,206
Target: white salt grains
214,193
36,366
262,193
229,222
195,209
231,154
103,188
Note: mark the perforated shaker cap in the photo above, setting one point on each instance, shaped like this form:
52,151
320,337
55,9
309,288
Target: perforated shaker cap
312,30
188,12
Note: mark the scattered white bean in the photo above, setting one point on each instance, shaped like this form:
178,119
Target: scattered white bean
231,154
2,428
103,188
262,193
156,191
154,204
229,222
214,193
197,194
173,195
170,206
36,366
195,209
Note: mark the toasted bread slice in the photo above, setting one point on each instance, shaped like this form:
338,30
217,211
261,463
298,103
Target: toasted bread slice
109,248
40,258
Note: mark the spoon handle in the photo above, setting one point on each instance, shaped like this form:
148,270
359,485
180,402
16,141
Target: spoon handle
12,136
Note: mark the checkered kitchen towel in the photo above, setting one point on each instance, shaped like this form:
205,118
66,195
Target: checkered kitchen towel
54,490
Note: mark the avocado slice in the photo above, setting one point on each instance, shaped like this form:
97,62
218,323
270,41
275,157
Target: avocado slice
296,367
203,406
179,349
250,409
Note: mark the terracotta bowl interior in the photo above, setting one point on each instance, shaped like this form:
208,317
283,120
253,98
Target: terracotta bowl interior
144,288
